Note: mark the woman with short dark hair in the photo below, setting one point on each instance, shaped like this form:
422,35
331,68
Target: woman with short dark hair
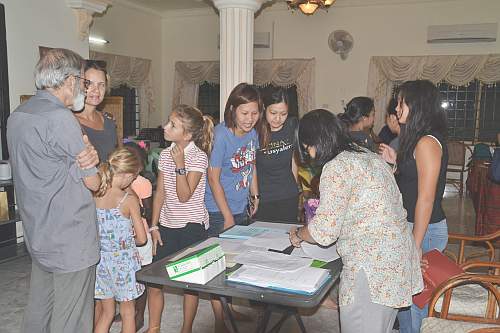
360,209
231,172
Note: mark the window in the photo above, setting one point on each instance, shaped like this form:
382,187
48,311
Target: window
460,106
131,121
208,99
473,110
489,114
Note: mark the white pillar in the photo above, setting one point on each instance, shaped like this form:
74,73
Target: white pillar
84,11
236,44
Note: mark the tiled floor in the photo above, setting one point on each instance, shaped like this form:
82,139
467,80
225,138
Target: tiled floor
14,284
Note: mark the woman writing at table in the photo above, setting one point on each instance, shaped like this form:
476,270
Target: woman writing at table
360,209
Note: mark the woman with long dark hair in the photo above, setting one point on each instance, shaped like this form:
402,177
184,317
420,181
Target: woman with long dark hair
361,209
421,163
276,165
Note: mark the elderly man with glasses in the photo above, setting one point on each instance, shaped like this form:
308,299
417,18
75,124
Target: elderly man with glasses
54,171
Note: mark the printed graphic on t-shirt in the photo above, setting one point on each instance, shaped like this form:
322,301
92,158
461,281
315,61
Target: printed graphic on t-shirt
276,147
241,162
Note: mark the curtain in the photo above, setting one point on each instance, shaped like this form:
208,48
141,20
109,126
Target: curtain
133,72
279,72
457,70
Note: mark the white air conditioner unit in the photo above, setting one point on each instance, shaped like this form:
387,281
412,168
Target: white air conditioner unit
462,33
261,40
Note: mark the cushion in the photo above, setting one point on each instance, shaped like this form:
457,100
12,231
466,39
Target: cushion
468,299
438,325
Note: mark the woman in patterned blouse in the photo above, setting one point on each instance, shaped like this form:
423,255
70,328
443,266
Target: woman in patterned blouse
361,209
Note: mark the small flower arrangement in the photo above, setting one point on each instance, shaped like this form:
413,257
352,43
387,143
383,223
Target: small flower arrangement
310,207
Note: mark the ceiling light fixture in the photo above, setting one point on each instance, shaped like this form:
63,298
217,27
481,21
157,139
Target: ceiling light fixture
309,7
97,40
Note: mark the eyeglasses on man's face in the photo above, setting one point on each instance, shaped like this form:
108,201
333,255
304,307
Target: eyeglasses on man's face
86,83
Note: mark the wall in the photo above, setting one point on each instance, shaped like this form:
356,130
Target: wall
134,33
388,28
33,23
189,38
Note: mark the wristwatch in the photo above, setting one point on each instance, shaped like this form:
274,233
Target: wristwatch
181,171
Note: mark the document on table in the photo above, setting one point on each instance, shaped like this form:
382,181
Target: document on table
246,232
304,281
316,251
229,247
273,225
270,240
273,260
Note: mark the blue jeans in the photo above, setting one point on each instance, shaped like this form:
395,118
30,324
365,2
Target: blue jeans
436,237
216,222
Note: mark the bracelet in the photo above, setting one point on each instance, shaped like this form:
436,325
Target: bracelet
255,196
394,167
297,234
155,227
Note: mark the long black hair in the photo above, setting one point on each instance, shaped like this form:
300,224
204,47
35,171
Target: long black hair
425,117
275,96
356,109
324,131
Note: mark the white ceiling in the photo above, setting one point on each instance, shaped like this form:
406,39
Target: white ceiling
162,6
166,5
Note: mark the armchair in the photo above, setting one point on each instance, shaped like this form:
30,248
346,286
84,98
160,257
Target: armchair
446,322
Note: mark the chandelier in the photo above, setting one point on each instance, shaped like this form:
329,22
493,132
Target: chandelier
308,7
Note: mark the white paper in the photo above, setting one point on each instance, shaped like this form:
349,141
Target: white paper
273,261
315,251
270,240
270,225
230,247
307,279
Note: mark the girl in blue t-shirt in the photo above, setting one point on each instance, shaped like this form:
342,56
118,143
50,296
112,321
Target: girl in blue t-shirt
232,173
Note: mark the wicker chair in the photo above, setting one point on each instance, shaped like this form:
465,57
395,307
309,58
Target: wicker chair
446,322
487,242
470,299
456,163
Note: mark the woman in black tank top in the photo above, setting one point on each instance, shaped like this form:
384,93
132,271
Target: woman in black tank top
421,162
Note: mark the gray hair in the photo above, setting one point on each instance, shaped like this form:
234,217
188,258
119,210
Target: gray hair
55,66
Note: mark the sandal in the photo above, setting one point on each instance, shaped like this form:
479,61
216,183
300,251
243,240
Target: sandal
155,329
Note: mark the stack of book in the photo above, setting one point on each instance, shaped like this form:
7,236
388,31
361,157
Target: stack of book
305,281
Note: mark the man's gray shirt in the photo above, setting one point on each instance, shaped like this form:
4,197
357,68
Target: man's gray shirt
56,208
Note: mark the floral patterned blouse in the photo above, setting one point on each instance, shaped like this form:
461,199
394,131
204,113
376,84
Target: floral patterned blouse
361,208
